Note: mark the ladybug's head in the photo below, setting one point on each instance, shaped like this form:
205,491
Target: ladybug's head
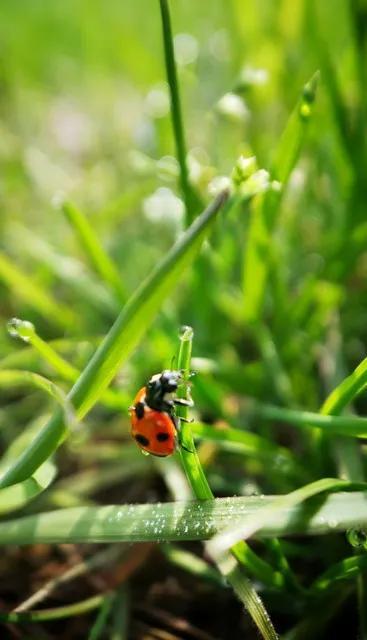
161,388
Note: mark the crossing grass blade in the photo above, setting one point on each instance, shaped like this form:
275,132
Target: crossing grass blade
251,525
134,319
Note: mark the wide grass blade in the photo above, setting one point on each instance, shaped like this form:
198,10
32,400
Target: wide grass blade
134,319
189,520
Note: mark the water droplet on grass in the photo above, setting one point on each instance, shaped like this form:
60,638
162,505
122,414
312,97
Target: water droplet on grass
357,538
20,329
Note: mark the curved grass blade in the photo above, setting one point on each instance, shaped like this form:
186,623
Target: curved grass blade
57,613
346,391
134,319
10,378
188,520
346,569
250,525
26,331
20,494
263,220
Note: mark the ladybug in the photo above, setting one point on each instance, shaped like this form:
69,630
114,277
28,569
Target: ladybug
154,424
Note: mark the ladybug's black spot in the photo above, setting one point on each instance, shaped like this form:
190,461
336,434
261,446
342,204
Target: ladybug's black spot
142,440
162,436
139,410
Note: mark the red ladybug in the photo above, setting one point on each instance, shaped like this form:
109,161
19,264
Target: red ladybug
154,425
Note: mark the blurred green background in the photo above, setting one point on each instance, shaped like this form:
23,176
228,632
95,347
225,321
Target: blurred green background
85,112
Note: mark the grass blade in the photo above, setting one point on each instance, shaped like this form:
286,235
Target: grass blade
251,525
96,255
229,565
350,426
346,569
263,220
26,331
20,494
188,520
346,391
192,202
57,613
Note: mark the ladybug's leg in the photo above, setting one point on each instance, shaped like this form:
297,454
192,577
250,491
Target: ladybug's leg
186,448
183,403
177,420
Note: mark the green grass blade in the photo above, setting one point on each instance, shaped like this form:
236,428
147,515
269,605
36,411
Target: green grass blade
102,617
350,426
257,257
251,525
13,378
188,520
346,569
235,575
290,144
229,565
138,314
57,613
250,444
346,391
18,495
192,202
100,261
27,332
189,457
191,563
242,441
134,319
32,294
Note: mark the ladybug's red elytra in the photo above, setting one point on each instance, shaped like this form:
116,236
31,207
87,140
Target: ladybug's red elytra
154,425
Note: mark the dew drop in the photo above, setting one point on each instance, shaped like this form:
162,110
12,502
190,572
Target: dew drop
20,329
357,538
186,333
